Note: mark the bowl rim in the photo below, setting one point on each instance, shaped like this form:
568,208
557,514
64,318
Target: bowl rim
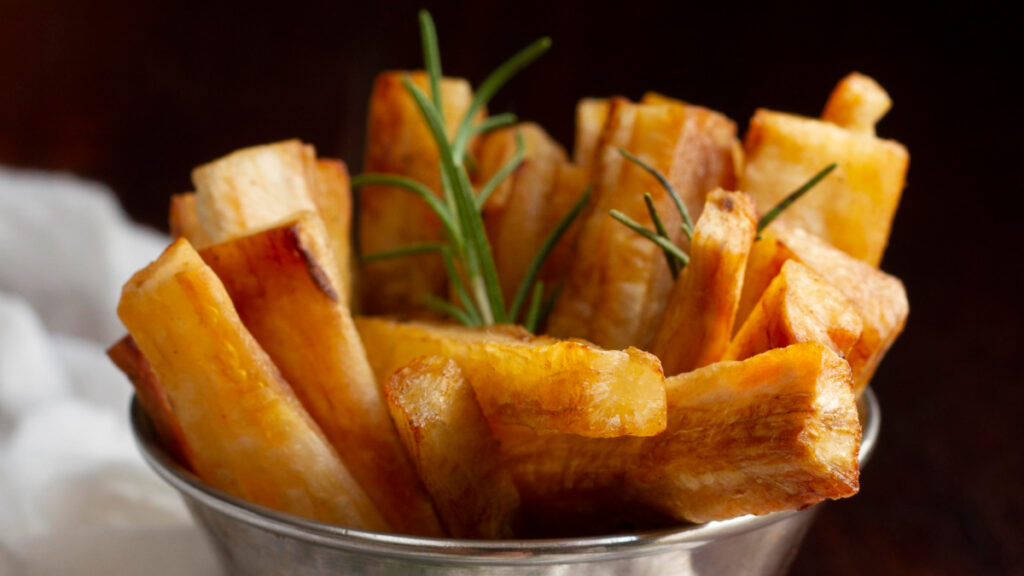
545,550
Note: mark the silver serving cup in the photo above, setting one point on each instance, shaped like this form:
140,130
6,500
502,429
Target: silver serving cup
255,541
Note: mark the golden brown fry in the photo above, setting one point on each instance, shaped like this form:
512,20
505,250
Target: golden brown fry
658,98
447,436
570,183
798,306
546,384
526,207
247,432
591,114
878,298
184,220
255,187
698,320
618,284
333,199
857,103
854,206
399,142
778,431
126,355
285,299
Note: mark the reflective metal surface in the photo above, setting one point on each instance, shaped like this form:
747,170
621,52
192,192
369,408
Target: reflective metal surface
255,541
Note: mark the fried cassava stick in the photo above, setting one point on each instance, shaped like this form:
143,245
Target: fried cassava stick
246,431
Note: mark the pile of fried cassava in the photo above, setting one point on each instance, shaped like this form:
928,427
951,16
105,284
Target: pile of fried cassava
280,367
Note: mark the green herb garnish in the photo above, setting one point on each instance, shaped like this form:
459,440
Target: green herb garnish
674,257
469,262
792,197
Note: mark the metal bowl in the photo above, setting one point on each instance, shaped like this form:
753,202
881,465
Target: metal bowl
256,541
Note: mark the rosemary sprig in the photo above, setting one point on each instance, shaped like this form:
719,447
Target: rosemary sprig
467,255
662,242
501,175
495,122
659,227
675,257
533,312
549,303
792,197
545,250
687,224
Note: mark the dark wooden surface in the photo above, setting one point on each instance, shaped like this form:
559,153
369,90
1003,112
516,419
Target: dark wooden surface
135,94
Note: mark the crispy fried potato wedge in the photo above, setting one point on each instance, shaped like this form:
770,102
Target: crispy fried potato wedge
698,320
546,384
617,287
184,220
126,355
798,306
447,436
333,199
284,298
854,207
524,210
857,103
778,431
247,432
591,114
255,187
878,298
399,142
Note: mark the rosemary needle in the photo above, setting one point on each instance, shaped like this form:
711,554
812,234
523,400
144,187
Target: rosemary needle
792,197
467,255
664,243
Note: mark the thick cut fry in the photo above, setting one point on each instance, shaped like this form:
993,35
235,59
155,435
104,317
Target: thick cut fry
333,199
543,383
285,300
448,438
853,208
878,298
798,306
618,285
857,103
247,432
524,210
399,142
778,431
591,114
698,320
126,355
255,187
184,220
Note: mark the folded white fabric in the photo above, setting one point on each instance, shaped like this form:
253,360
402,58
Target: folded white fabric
75,496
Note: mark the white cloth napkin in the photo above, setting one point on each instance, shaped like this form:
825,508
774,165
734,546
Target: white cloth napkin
75,496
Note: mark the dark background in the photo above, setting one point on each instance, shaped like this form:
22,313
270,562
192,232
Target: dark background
135,94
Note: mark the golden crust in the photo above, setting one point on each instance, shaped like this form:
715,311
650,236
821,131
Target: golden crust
546,384
285,300
246,431
698,320
617,288
448,438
